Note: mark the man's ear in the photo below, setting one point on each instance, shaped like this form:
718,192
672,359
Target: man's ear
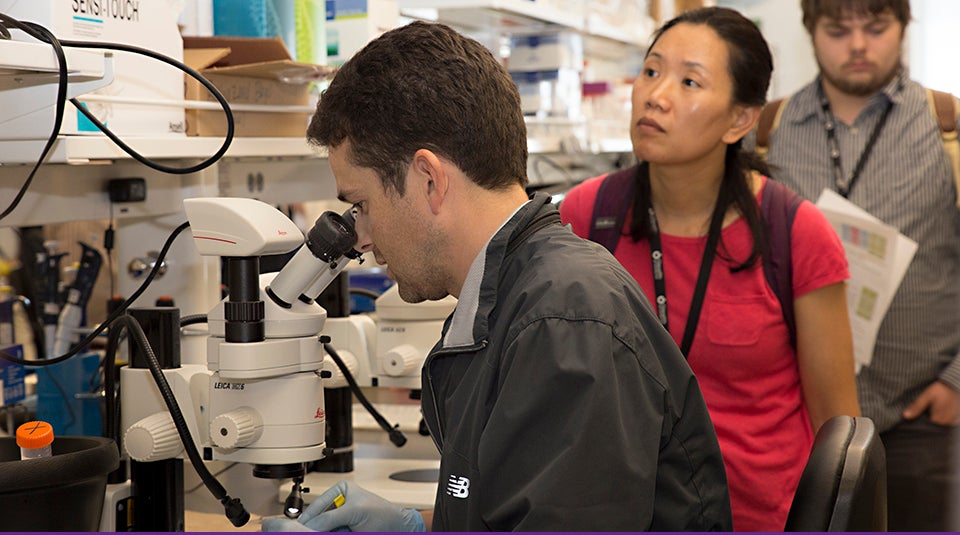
744,120
432,179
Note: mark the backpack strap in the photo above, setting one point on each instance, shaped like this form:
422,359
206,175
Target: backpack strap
944,108
769,121
778,207
611,207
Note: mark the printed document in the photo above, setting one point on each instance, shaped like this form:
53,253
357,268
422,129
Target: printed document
879,256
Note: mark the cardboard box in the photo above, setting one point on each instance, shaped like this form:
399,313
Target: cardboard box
249,70
138,79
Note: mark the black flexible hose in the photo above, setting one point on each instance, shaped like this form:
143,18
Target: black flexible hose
111,420
193,319
396,435
233,509
228,137
42,34
46,36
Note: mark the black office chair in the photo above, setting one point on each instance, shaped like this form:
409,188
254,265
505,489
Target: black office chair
844,484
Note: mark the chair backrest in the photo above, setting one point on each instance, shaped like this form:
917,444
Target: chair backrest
844,484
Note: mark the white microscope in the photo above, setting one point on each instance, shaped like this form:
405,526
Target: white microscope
259,399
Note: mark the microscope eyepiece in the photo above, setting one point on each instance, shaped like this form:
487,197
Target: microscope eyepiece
317,263
331,237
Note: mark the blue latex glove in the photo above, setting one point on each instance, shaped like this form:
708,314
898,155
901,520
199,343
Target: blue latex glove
362,511
278,523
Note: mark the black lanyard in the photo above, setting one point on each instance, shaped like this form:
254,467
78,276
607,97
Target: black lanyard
844,186
700,291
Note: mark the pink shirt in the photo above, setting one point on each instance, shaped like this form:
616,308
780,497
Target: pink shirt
741,354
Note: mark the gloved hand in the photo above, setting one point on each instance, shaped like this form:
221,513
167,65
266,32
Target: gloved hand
279,523
361,511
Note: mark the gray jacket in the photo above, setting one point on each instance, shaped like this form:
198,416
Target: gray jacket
559,403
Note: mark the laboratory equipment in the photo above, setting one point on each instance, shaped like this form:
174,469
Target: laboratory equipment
47,271
405,335
402,336
259,399
75,303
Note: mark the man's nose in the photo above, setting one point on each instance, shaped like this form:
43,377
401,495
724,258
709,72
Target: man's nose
858,40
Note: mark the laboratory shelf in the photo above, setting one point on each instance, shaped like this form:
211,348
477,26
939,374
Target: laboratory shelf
611,145
597,31
503,15
94,149
21,58
524,16
99,149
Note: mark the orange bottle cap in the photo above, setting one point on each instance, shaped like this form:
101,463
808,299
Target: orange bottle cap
36,434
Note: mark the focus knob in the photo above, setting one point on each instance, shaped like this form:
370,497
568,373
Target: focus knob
236,429
401,360
153,438
337,379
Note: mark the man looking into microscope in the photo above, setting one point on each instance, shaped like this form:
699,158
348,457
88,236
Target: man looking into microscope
555,397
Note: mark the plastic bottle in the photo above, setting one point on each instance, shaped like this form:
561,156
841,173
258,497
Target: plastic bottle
34,439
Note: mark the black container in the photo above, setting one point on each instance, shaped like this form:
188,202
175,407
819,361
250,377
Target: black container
63,492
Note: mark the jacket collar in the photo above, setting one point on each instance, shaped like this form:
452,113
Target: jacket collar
469,323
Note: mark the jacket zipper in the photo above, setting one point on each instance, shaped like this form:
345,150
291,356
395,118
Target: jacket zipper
438,437
538,222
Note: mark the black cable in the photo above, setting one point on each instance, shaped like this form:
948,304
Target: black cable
228,138
121,309
193,319
96,379
66,399
41,34
111,384
126,323
111,420
233,509
396,435
108,240
217,473
148,162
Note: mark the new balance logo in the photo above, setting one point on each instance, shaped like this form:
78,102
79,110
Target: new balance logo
458,487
